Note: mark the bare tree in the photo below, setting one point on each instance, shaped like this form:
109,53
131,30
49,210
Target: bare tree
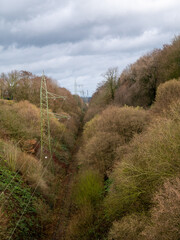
111,81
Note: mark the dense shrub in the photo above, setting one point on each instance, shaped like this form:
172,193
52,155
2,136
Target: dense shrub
125,121
167,93
99,152
153,156
19,120
114,127
90,128
168,61
138,82
165,215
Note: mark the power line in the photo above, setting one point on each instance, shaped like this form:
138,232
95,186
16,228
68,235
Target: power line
45,137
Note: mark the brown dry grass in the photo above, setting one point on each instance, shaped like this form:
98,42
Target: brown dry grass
30,168
128,228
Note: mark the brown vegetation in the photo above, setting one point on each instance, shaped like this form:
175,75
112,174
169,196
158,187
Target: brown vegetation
128,228
20,152
165,215
3,225
167,93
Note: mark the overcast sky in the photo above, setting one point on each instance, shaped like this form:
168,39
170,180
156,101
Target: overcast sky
80,39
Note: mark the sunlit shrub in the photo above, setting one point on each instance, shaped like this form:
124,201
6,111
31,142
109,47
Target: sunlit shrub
90,128
20,121
125,121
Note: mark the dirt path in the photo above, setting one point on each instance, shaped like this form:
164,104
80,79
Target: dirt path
63,204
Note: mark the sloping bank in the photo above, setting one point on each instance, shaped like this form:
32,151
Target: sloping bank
29,187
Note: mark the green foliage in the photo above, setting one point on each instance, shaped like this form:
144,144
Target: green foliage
88,193
88,189
28,227
90,128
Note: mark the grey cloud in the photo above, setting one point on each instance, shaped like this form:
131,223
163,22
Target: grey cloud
74,22
81,39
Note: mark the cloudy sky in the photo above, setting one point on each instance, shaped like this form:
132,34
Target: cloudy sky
80,39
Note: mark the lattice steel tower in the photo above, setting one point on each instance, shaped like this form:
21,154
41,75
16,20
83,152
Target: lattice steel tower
46,149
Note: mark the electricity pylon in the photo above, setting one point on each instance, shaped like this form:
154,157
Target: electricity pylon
46,149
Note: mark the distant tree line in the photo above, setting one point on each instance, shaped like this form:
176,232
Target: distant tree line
137,85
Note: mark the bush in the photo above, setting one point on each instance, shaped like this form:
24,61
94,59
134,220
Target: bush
90,128
153,156
167,93
99,152
165,215
104,133
25,124
125,121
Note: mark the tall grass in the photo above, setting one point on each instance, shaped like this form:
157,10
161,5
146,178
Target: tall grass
30,168
88,189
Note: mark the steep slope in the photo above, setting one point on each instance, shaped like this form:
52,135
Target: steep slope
29,187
